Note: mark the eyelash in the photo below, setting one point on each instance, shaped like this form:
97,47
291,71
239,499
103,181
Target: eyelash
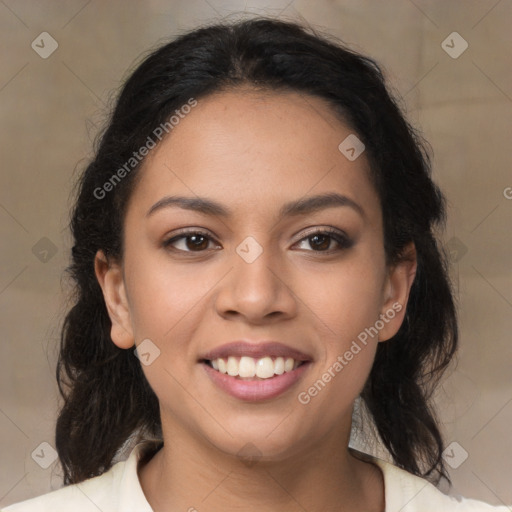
343,241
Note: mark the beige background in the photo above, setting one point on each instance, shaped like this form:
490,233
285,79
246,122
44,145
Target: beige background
50,109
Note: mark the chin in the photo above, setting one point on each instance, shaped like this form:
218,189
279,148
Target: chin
261,440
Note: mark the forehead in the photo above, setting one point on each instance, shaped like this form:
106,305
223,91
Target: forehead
255,150
271,124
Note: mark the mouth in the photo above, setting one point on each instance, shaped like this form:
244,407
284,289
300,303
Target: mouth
250,368
255,371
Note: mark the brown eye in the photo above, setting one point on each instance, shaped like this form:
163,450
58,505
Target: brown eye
196,242
192,241
321,241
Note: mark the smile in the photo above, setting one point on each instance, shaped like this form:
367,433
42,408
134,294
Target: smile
250,368
255,371
256,389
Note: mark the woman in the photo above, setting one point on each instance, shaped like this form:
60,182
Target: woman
253,256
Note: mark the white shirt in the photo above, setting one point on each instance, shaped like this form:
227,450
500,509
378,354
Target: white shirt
119,490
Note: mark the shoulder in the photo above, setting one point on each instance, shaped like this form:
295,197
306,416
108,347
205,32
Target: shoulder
409,493
90,495
117,489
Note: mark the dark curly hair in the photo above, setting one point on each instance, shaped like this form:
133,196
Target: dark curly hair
107,399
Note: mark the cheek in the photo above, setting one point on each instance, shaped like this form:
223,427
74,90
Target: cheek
347,299
346,303
166,307
346,306
160,299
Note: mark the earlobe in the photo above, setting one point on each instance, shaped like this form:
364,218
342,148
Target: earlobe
110,278
398,286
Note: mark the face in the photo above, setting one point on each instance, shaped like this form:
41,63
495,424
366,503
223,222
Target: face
279,239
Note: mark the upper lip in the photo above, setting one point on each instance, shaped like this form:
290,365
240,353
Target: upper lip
256,350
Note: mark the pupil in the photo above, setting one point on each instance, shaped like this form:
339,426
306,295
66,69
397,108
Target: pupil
321,246
194,244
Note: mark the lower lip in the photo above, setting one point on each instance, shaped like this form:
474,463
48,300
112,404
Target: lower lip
255,390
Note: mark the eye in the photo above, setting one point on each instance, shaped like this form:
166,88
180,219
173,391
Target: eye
189,241
321,240
199,241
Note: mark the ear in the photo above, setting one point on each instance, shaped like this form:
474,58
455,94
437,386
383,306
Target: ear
396,292
110,278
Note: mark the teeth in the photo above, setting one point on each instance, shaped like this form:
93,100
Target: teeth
264,368
279,366
288,364
232,366
248,367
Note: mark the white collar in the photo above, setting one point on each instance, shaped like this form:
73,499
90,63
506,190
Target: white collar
403,491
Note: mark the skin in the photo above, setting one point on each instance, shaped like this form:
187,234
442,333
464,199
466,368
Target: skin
252,152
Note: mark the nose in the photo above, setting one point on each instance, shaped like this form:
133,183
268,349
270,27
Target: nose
258,291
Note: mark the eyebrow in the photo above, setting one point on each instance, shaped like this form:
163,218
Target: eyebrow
301,206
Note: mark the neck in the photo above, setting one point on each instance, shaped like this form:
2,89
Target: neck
191,475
